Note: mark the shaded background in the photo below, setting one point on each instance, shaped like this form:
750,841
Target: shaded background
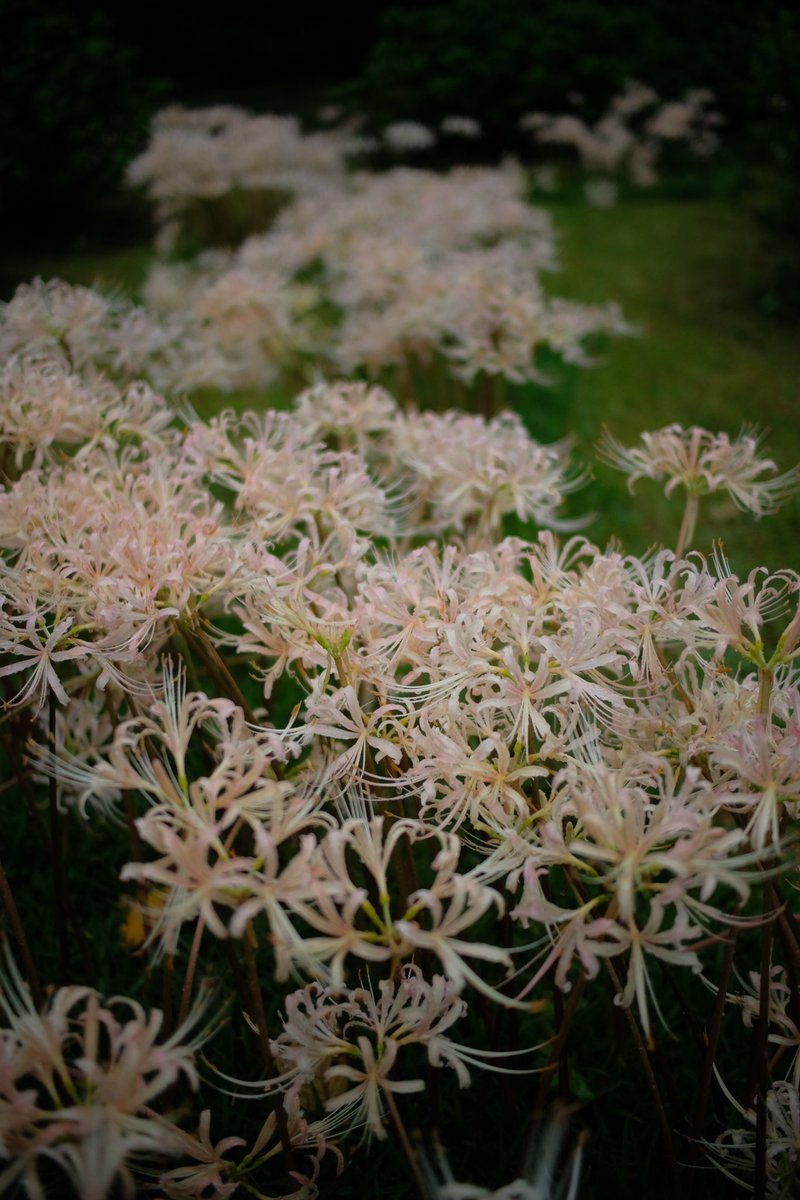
80,81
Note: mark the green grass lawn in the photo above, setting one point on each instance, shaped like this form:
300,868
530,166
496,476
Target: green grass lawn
688,274
121,269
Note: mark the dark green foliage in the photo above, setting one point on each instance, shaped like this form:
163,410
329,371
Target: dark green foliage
74,111
495,62
775,189
498,61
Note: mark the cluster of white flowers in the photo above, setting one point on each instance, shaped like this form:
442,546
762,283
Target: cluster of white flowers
466,770
461,127
405,137
629,137
234,336
206,153
704,462
395,269
551,732
358,271
416,265
78,1083
114,544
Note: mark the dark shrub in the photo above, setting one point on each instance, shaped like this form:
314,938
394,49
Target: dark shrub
74,111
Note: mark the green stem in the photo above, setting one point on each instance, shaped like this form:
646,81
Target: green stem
765,678
688,523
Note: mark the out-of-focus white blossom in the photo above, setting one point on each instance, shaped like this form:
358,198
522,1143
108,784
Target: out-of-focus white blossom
601,193
463,127
629,136
404,137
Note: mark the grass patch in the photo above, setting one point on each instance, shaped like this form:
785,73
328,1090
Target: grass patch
687,275
121,269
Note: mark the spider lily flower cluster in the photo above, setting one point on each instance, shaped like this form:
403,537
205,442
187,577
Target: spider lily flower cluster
704,463
359,270
330,1034
630,137
540,734
388,272
79,1082
209,152
412,779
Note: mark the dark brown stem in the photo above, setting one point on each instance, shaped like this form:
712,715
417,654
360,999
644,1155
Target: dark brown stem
761,1069
59,888
668,973
711,1052
406,869
22,942
563,1065
256,1006
219,669
181,647
559,1046
13,743
166,991
652,1083
775,1061
237,974
191,968
409,1151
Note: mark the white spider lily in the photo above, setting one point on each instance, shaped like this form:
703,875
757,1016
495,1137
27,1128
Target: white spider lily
78,1081
37,649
